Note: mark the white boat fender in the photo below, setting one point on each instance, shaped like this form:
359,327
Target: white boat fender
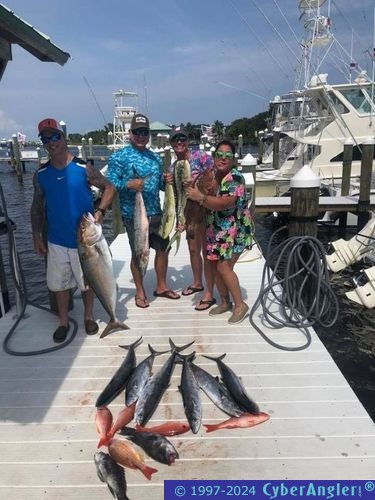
348,252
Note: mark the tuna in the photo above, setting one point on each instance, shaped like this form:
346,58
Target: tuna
190,393
119,380
96,263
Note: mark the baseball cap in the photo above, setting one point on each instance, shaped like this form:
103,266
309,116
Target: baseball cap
177,131
139,121
49,123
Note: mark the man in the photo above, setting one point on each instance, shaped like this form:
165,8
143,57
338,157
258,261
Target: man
135,168
200,164
61,195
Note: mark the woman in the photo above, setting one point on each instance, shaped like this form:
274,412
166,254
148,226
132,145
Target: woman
228,229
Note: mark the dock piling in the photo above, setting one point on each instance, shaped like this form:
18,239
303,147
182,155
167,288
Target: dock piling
365,182
276,148
346,172
17,158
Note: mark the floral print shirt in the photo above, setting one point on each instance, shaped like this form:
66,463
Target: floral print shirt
229,231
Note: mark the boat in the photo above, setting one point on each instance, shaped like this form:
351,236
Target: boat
122,117
313,122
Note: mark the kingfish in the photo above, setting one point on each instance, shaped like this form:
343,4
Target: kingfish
245,420
234,385
181,174
140,376
190,393
155,388
141,243
96,263
124,454
112,474
169,212
155,445
216,391
120,378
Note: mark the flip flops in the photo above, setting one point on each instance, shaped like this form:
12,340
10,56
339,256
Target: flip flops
91,327
206,303
60,333
142,303
167,294
190,290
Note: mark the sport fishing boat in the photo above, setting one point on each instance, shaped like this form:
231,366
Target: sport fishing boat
315,121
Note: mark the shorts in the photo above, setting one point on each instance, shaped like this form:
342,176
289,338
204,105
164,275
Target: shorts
155,241
64,270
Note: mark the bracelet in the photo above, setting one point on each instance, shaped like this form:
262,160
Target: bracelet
101,210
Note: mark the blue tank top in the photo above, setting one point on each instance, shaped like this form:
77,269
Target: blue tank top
68,196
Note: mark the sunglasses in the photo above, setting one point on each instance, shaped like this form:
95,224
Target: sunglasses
179,138
52,138
141,132
227,155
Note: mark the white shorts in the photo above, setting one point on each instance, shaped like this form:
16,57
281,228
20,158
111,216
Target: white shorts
64,269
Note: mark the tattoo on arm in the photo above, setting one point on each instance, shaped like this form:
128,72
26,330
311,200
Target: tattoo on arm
37,208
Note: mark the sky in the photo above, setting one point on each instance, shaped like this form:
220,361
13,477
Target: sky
189,60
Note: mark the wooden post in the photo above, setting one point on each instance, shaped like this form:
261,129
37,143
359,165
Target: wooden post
365,183
260,146
91,151
248,165
39,153
84,153
240,145
304,208
276,148
346,172
17,158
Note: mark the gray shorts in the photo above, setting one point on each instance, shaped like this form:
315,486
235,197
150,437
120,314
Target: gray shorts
155,241
64,269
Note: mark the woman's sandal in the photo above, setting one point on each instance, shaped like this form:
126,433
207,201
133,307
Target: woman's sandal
206,303
142,303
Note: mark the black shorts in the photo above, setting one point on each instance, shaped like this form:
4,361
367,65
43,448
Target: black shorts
155,241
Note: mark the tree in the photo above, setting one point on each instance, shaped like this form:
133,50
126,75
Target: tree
218,130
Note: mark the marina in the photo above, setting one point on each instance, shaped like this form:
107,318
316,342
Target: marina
317,429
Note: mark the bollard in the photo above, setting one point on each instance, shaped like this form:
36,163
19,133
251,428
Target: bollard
248,165
109,138
84,153
276,148
240,144
346,172
39,153
365,182
91,153
304,203
63,126
17,158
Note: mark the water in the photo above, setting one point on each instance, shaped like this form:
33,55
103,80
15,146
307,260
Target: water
351,342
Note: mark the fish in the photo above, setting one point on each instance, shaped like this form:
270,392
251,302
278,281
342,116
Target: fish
216,391
140,376
96,262
121,376
103,421
141,243
125,454
169,212
111,473
190,393
125,416
245,420
155,387
155,445
166,429
234,385
181,174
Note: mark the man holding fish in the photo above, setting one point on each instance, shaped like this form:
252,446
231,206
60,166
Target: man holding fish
137,174
61,195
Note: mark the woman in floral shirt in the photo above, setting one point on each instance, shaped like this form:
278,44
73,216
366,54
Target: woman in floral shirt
229,229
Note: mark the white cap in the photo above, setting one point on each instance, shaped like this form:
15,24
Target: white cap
305,178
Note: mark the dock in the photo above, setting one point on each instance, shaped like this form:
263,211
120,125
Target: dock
318,429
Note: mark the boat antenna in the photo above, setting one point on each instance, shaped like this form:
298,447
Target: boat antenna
145,89
97,103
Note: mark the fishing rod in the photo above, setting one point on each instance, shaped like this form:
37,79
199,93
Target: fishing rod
96,102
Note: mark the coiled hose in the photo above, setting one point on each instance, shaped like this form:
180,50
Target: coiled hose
20,285
295,289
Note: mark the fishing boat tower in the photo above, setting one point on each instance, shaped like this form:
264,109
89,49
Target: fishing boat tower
125,107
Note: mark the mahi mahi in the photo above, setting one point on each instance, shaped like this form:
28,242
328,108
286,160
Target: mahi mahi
169,214
181,174
141,243
96,263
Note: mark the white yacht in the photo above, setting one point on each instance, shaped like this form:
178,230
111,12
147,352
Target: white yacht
316,121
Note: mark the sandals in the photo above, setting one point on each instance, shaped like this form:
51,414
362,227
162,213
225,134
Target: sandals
167,294
142,303
190,290
60,333
91,327
206,303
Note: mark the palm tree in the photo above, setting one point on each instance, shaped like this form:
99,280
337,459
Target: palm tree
218,130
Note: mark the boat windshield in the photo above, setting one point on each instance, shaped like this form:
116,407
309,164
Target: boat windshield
360,99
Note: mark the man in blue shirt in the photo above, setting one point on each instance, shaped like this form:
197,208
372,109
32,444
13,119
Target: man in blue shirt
135,168
61,195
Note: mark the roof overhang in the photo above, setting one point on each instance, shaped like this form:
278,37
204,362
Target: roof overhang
13,29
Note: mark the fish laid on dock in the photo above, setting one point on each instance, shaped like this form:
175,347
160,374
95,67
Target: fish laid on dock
103,421
124,454
96,262
172,428
111,473
141,243
190,393
155,445
125,416
245,420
